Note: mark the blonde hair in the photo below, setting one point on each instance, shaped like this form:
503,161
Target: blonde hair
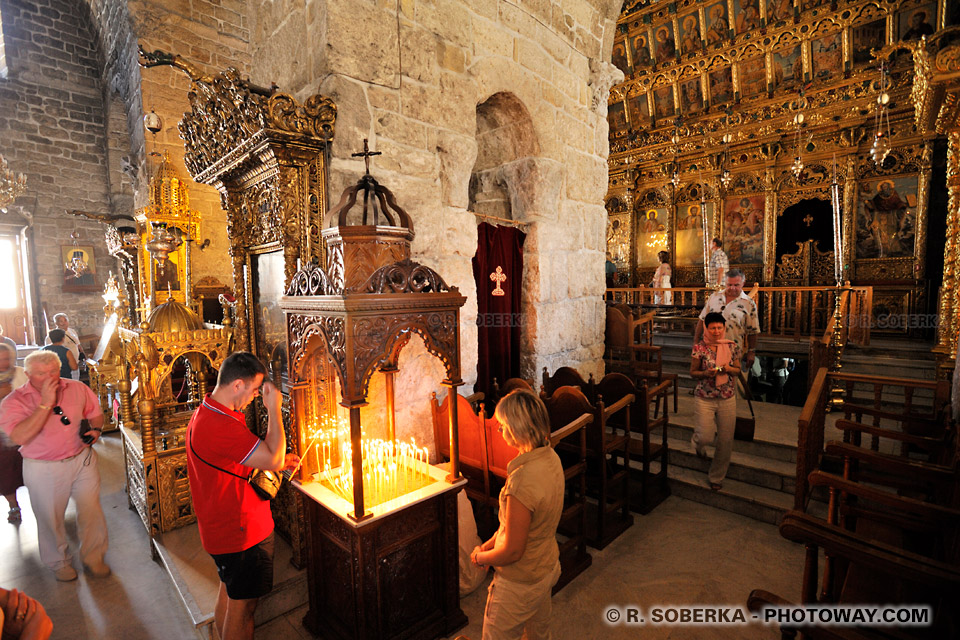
13,353
524,415
40,358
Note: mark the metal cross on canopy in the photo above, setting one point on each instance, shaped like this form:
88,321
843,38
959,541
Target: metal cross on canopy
366,155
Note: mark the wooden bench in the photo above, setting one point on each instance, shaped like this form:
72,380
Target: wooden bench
608,460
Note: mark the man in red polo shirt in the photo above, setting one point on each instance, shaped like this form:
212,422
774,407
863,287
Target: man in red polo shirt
236,526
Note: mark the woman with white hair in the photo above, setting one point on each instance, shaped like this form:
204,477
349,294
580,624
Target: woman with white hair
524,549
11,464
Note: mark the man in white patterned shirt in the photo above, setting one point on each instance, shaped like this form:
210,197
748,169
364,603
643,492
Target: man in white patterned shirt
740,313
718,264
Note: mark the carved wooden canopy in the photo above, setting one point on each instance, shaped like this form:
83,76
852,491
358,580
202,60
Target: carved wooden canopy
266,154
370,299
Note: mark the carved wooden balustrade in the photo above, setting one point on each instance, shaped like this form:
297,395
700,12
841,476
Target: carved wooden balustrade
796,312
890,402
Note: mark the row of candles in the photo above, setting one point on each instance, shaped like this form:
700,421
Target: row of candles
390,469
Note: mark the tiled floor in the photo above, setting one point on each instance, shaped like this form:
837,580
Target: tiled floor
682,553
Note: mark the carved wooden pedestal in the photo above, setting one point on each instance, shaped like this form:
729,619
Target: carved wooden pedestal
394,575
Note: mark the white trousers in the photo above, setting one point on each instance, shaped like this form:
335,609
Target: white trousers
515,607
51,485
716,417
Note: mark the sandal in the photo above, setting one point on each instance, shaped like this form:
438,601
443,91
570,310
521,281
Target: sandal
715,486
13,515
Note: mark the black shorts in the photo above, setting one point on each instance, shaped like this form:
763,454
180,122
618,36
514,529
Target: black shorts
247,574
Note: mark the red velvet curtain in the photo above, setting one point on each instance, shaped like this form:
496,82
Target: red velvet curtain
498,271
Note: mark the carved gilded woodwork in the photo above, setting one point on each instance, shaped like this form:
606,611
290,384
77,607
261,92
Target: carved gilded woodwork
839,111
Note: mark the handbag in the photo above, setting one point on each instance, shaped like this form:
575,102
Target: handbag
745,427
265,483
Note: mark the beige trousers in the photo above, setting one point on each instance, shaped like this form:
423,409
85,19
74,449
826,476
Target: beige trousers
51,485
716,417
515,607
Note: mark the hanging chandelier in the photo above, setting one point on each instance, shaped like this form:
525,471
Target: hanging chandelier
11,185
76,265
797,167
725,176
675,175
161,244
881,145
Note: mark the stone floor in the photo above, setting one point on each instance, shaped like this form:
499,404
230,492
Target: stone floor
683,553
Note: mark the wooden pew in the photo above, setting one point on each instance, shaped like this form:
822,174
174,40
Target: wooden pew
625,354
567,377
608,479
643,427
572,528
473,442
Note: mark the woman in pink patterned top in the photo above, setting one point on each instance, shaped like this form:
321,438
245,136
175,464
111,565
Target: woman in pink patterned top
715,363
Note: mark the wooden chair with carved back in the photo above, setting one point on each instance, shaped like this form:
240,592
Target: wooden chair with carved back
499,391
608,459
473,442
648,430
626,354
567,377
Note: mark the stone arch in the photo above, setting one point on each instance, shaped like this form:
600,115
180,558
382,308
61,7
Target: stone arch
511,179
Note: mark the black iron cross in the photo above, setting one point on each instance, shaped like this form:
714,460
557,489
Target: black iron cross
366,155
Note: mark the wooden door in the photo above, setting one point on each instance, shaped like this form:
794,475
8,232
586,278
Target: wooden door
13,309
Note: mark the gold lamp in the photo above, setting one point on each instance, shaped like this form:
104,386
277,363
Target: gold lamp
11,185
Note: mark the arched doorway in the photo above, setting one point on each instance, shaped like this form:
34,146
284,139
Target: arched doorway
501,182
810,219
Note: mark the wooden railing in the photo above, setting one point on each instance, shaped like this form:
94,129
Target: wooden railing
794,312
890,400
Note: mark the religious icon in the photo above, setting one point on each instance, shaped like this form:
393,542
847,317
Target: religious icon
618,241
778,10
689,237
663,102
918,24
719,27
743,229
753,77
639,109
651,236
620,58
747,15
787,67
721,86
812,4
827,56
79,267
641,53
666,47
691,97
872,35
886,218
616,116
690,30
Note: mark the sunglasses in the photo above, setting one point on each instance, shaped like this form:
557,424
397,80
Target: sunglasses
64,420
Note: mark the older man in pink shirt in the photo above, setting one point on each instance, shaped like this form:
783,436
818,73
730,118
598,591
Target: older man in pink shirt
43,417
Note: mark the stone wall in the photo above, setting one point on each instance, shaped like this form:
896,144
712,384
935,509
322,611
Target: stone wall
54,131
213,35
409,75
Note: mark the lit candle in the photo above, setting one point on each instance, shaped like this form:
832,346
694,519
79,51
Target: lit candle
316,456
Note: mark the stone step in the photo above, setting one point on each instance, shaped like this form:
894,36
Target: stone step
195,578
681,430
760,471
